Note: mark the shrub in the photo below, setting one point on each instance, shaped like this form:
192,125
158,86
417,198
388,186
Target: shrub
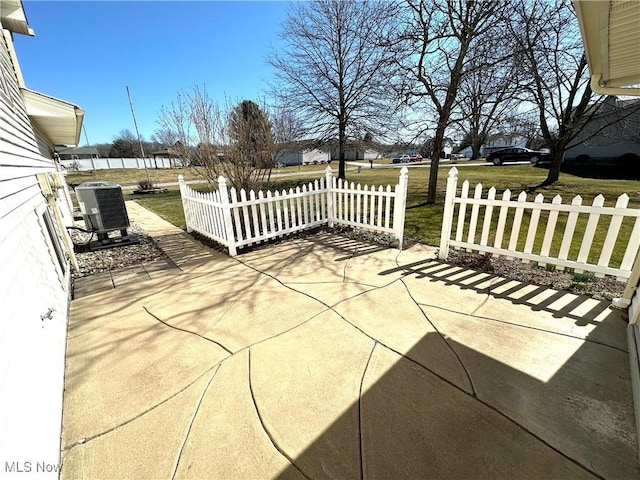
145,184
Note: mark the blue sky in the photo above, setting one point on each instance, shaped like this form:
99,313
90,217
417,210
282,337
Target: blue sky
86,52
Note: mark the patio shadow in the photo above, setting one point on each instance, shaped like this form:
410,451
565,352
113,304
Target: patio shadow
411,423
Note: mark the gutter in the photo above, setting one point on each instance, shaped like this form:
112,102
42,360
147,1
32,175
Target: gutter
633,337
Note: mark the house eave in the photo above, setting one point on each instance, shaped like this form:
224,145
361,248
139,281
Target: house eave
59,120
610,33
13,18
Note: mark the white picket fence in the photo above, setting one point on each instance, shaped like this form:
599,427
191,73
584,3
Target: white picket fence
237,220
492,236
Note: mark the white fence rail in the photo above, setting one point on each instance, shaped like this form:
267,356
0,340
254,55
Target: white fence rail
84,164
239,219
493,237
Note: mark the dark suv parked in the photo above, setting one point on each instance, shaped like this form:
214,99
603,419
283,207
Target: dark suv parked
517,154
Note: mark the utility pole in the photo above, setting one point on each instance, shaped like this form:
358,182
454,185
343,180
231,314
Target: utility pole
138,133
86,139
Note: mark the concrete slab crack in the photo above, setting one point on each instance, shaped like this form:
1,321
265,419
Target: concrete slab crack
500,413
474,395
264,427
281,282
437,375
444,339
82,441
486,298
346,264
329,307
290,258
193,418
334,283
229,307
189,332
528,327
432,372
360,448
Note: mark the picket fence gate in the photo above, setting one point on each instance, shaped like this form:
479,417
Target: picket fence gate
493,235
237,219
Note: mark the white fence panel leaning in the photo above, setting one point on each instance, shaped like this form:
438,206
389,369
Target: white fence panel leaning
238,219
541,232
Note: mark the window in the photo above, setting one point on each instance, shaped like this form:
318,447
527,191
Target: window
55,240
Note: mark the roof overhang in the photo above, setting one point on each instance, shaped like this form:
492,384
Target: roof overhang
611,36
13,18
59,121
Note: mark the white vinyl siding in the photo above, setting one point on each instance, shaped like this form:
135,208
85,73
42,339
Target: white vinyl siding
32,281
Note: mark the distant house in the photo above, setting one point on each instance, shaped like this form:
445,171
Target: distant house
171,154
79,158
355,151
363,154
35,256
467,152
304,152
611,138
78,153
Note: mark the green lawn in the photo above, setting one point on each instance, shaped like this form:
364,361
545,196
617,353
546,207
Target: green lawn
423,222
168,205
131,176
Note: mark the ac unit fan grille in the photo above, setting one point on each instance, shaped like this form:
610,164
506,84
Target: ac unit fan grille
112,208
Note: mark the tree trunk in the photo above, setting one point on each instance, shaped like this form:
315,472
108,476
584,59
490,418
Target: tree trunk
435,162
475,149
557,152
342,146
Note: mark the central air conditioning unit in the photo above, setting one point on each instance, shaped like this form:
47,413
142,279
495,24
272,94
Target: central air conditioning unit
103,209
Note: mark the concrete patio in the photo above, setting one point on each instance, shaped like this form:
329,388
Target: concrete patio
325,357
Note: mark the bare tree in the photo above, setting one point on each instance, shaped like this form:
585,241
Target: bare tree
288,130
286,124
523,124
235,142
103,149
432,52
164,137
550,48
488,93
330,68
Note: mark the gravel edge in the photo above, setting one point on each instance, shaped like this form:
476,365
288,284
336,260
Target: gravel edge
606,288
105,260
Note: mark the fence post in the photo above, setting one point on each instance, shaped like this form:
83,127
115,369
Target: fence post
330,208
400,205
447,216
630,290
226,214
184,196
